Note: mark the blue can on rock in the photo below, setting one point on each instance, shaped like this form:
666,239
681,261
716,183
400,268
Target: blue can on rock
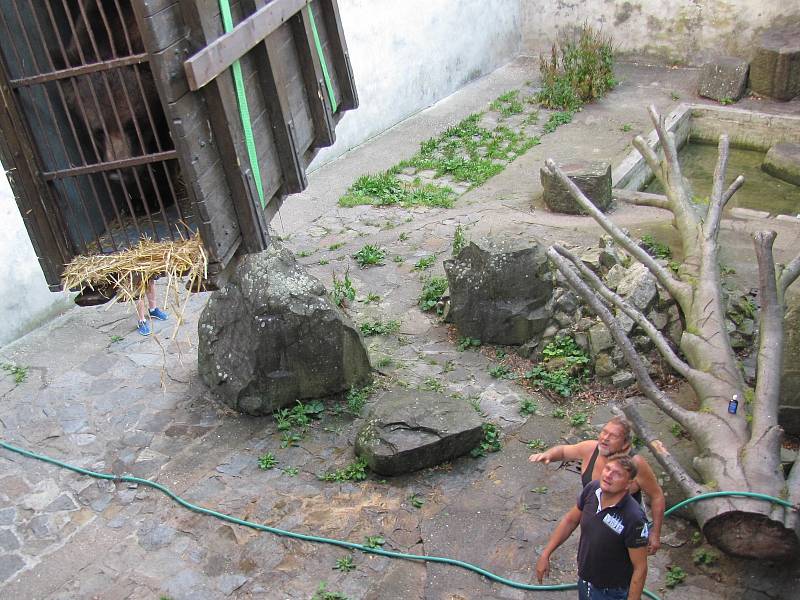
733,405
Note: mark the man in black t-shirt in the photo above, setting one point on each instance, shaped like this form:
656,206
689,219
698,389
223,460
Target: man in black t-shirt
612,552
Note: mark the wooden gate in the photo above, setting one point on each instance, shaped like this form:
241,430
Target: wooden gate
122,119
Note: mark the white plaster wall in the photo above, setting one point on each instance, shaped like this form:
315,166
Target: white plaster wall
407,55
686,31
25,300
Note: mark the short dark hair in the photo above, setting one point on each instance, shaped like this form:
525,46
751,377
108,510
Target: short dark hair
627,429
626,462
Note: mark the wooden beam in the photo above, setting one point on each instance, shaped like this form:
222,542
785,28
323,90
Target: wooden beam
220,54
341,57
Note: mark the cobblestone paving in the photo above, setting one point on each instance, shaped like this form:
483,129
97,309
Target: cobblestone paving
136,405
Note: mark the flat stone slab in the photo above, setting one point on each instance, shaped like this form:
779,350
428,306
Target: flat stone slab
775,68
724,78
593,178
409,430
783,161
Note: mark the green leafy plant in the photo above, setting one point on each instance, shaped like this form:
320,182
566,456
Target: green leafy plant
500,372
654,248
432,384
626,127
542,489
507,104
697,538
557,119
677,430
701,556
379,328
323,261
343,289
425,262
374,541
345,564
675,576
416,501
490,441
564,366
267,461
726,100
322,593
290,438
675,95
528,407
371,297
18,372
558,413
385,361
403,237
467,343
116,338
459,239
432,291
579,69
579,419
304,253
356,398
335,246
291,471
369,255
537,445
355,471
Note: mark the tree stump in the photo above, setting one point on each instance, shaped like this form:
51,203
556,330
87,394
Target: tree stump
724,78
775,68
593,178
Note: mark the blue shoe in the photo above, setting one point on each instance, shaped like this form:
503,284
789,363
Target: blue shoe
143,328
159,314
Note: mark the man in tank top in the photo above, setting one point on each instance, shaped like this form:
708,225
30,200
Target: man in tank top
615,438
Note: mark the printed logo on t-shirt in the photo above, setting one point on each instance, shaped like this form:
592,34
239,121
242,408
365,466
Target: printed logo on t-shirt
614,522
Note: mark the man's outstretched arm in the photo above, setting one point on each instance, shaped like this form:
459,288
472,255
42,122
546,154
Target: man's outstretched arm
563,530
579,451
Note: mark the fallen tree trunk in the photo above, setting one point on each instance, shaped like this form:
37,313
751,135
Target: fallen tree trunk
737,451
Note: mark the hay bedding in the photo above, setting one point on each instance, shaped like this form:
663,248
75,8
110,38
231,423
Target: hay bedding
123,276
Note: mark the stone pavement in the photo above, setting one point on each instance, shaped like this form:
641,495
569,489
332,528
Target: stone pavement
101,397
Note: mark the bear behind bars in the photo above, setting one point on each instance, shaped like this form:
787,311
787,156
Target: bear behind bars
117,113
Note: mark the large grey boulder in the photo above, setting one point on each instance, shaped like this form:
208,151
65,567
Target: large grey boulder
723,78
775,68
499,289
789,412
783,161
593,178
272,336
408,430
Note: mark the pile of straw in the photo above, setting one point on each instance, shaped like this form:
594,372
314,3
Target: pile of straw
126,273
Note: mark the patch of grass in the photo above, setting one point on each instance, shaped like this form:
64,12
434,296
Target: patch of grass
304,253
677,430
323,261
459,239
537,445
267,461
372,297
291,471
726,101
369,255
557,119
528,407
322,593
374,541
398,259
507,104
654,248
116,338
385,361
385,189
701,556
426,262
343,289
416,501
431,384
355,471
626,127
356,398
500,372
467,343
290,439
675,576
379,328
490,442
335,246
345,564
431,293
579,69
563,368
18,372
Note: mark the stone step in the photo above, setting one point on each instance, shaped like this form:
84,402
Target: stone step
783,161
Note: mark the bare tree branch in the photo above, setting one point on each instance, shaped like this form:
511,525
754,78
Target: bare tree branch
650,157
679,290
732,189
694,422
718,197
686,482
789,274
654,334
642,198
770,349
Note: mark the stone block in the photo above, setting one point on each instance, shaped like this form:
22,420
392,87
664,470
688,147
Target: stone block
723,78
783,161
775,68
600,339
593,178
410,430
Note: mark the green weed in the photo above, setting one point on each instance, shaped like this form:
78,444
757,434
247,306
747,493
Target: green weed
701,556
369,255
403,237
290,439
304,253
343,289
563,369
542,489
426,262
726,101
379,328
528,407
579,419
323,594
371,297
677,430
355,471
675,576
537,445
356,398
626,127
500,372
431,384
323,261
385,361
19,373
267,461
558,413
335,246
557,119
466,343
431,293
374,541
654,248
675,95
416,501
291,471
345,564
490,442
459,239
116,338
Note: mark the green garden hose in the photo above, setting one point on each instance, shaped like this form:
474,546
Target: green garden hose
361,547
